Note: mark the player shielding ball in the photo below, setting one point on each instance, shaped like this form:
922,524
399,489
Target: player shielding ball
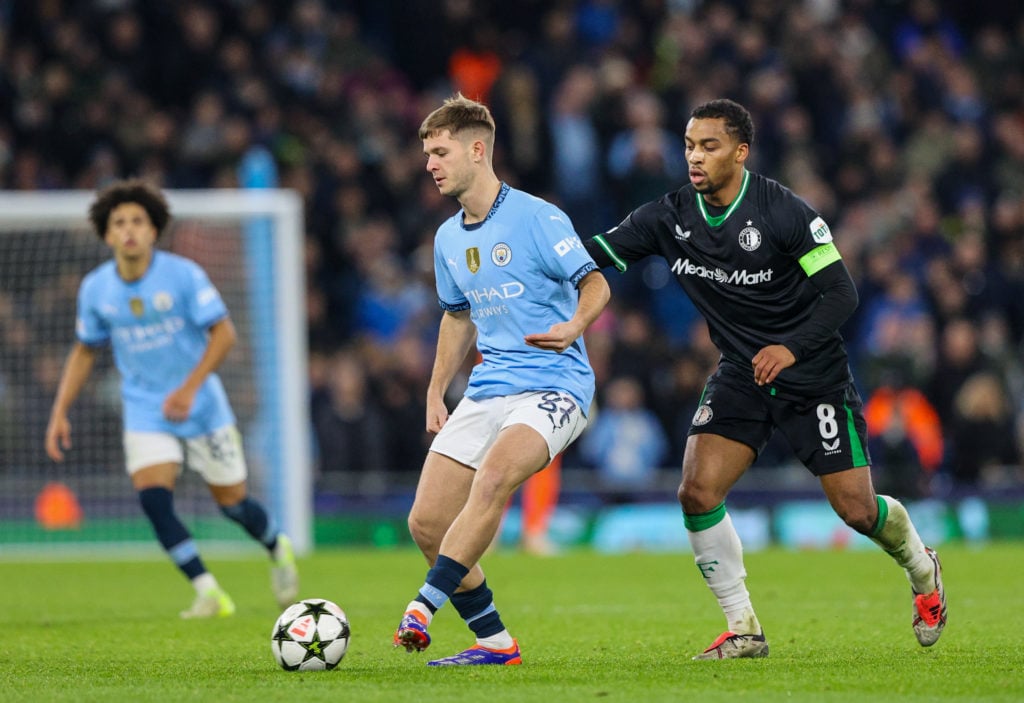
761,267
169,330
513,276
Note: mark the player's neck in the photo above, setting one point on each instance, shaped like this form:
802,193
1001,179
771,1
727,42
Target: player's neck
477,201
724,196
132,269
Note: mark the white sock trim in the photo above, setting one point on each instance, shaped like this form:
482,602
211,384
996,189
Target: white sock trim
204,583
421,609
502,640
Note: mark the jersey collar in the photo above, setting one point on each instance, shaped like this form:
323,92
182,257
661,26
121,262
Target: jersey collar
502,193
717,220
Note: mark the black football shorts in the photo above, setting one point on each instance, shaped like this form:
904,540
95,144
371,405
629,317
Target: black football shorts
827,433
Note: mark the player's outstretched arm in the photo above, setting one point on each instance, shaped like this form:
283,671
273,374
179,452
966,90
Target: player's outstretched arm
77,368
594,295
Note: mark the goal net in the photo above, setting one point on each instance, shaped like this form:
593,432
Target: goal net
250,243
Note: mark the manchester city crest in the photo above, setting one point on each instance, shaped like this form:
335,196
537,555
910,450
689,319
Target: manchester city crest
501,254
162,301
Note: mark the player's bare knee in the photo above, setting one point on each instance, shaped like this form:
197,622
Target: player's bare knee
426,533
859,517
696,499
493,487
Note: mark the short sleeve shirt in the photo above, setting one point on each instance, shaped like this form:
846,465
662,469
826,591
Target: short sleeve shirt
157,327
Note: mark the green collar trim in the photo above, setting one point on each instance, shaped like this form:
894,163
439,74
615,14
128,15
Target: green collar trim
716,221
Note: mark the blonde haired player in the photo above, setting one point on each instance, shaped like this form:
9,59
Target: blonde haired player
513,277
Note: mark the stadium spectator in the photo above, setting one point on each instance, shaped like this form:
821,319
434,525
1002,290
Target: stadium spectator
905,436
349,424
646,159
959,357
982,430
474,67
677,398
626,444
576,155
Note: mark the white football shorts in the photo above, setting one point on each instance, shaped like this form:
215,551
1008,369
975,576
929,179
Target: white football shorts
217,456
474,424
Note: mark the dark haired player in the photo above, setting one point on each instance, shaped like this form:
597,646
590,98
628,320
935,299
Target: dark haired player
761,267
169,330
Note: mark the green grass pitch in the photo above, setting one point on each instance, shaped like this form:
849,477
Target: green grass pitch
592,628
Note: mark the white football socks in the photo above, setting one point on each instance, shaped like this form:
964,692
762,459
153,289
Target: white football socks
900,540
719,556
204,583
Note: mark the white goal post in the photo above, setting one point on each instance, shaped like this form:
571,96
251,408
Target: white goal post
251,244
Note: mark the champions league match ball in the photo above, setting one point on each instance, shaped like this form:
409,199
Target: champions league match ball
311,635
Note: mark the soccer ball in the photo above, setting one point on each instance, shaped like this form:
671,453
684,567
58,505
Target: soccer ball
311,635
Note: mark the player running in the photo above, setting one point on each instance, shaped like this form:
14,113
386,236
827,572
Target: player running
762,268
169,330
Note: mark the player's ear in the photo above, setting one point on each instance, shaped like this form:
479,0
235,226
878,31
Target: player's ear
479,149
742,152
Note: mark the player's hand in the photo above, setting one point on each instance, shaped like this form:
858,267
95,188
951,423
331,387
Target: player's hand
178,404
58,437
437,415
557,339
770,361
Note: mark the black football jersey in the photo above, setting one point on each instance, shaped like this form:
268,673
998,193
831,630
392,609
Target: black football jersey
746,269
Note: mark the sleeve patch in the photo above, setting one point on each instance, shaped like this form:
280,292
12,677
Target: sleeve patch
818,258
820,231
566,245
206,295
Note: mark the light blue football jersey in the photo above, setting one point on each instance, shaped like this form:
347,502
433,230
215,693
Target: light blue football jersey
517,273
157,327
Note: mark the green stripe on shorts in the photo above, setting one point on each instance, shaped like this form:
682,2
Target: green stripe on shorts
856,448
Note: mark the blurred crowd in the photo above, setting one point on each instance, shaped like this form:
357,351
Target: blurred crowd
901,122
